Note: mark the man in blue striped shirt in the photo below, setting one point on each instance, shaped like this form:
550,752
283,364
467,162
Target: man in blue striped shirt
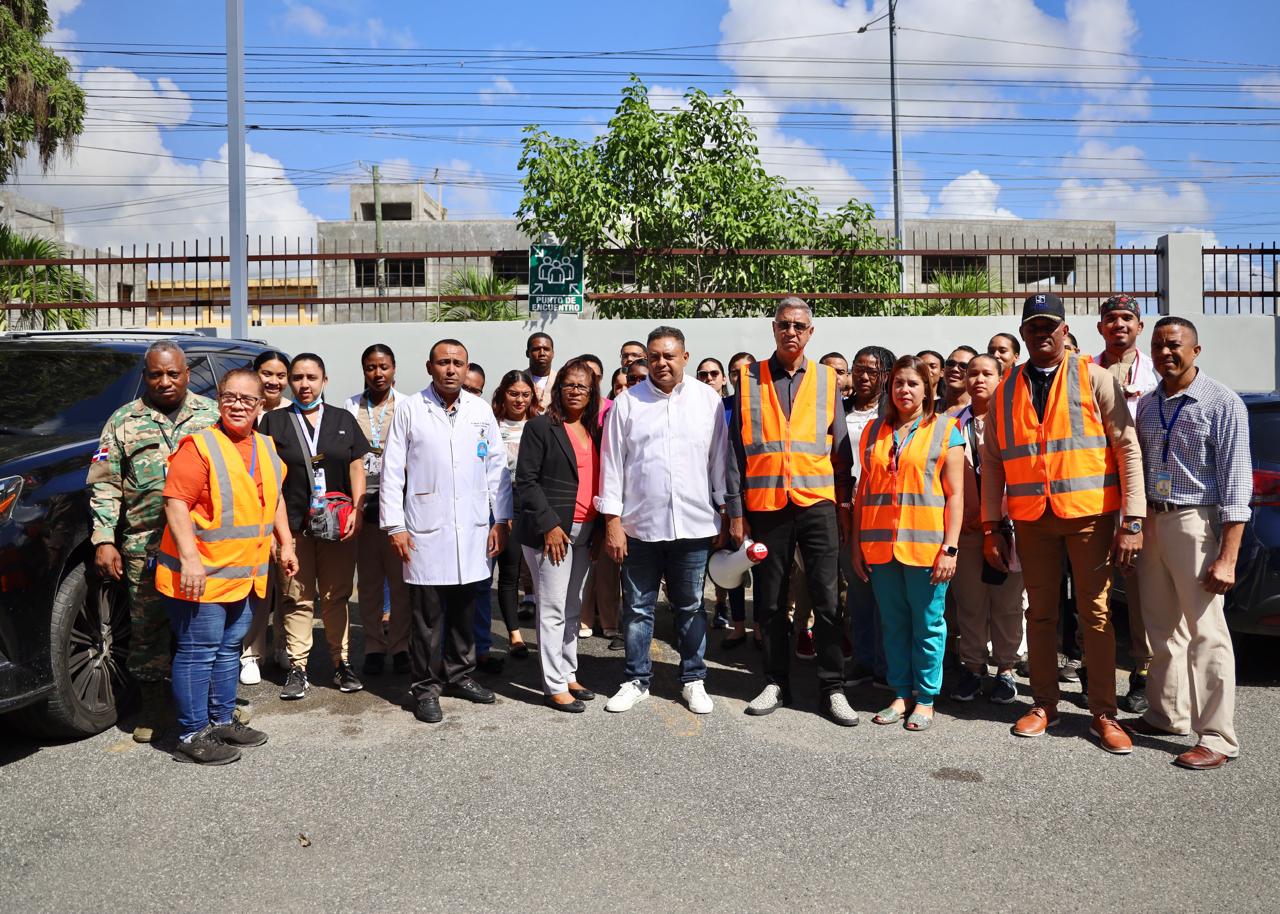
1195,451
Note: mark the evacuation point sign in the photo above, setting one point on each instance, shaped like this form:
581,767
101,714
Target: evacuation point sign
555,279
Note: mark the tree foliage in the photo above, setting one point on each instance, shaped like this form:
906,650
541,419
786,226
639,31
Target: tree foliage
40,284
39,103
473,282
691,178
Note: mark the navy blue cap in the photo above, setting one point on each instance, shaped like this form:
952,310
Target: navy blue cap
1044,304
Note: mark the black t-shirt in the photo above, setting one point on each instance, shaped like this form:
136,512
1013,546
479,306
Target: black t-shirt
340,441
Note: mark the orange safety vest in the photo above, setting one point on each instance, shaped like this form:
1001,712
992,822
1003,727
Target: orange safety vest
787,459
902,512
1064,461
235,542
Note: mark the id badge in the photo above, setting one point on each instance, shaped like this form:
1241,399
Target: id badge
373,464
151,561
320,480
1163,484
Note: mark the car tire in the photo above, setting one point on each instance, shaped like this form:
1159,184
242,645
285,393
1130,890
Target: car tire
89,646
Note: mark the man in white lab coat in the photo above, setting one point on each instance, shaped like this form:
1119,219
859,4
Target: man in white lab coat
443,470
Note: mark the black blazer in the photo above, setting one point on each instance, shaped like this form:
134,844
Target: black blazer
546,483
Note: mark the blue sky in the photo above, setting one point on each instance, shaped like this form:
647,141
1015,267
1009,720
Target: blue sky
1137,112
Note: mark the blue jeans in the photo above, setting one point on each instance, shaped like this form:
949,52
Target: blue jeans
484,615
864,619
915,632
684,564
206,665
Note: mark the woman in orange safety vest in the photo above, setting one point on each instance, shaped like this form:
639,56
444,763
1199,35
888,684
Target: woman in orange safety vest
909,508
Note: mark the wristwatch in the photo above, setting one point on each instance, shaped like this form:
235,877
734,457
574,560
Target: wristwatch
952,551
1133,526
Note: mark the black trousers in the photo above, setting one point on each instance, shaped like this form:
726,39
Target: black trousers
509,583
442,641
814,532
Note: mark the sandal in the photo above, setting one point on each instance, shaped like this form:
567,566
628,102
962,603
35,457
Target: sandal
917,722
889,715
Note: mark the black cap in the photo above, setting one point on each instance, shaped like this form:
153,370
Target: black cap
1044,304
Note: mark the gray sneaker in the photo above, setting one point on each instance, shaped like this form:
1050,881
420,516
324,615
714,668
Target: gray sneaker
836,706
1004,691
769,700
968,687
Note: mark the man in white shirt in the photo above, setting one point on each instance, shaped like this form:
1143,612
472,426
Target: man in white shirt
541,350
444,470
662,481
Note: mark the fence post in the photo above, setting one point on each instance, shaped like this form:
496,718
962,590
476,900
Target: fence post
1180,274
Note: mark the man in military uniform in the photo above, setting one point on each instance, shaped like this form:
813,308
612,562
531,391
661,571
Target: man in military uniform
127,478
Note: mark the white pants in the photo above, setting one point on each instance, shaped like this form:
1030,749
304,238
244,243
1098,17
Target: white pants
559,590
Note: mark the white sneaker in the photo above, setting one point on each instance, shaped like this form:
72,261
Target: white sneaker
627,697
249,672
696,697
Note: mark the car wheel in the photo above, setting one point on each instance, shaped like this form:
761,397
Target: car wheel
89,645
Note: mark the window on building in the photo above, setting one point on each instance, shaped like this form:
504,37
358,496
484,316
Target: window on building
1038,268
124,291
411,273
391,212
931,265
366,273
512,265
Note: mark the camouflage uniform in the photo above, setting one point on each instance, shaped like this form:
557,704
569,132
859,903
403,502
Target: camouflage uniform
127,479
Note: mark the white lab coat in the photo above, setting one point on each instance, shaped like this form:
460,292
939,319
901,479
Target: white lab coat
439,482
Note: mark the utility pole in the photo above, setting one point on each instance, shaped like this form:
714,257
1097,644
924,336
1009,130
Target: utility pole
381,277
897,146
235,170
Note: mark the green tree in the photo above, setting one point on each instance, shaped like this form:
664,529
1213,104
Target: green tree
21,285
691,178
484,285
39,103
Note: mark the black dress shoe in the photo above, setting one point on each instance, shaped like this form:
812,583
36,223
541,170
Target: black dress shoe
470,690
428,710
573,707
518,651
733,641
374,664
582,694
400,663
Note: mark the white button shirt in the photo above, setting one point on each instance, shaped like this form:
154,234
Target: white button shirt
441,476
662,462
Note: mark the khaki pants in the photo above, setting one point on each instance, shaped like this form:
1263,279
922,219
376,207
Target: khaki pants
376,562
1088,543
270,610
1192,682
325,570
985,613
603,594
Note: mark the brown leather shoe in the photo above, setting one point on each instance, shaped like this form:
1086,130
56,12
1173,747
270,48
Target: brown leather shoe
1111,735
1201,758
1035,721
1140,726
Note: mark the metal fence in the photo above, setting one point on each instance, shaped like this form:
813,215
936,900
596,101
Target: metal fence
1241,280
292,282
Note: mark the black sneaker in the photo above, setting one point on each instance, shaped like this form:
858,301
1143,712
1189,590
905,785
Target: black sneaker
205,748
470,690
489,664
967,688
428,710
617,643
295,685
1069,671
1136,701
237,734
344,677
374,664
400,663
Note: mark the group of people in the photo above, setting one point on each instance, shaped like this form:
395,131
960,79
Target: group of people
910,506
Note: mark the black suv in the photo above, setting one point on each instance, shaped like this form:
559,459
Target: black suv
64,633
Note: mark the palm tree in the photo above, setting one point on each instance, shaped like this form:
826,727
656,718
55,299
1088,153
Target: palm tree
473,282
26,285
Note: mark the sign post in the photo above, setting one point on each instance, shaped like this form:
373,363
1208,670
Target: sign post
555,279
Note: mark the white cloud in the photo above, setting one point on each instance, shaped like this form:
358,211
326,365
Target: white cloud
1264,88
502,90
314,23
971,196
466,192
123,185
305,19
1098,159
1134,207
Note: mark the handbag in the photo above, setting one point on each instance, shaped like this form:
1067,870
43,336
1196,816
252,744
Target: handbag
328,516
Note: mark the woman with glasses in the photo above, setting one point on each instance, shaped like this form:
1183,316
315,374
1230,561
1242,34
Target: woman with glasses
731,605
514,404
323,452
380,571
557,479
909,508
222,508
955,372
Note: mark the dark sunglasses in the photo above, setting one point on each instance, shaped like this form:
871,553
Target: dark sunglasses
704,375
955,363
797,326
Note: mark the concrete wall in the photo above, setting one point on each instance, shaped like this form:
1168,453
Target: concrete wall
500,346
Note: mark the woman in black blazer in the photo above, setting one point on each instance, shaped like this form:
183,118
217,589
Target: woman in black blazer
557,479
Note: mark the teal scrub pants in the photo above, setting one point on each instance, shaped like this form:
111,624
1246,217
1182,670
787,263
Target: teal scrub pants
915,632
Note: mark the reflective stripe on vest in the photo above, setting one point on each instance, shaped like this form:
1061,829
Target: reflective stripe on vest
235,542
787,458
901,515
1063,461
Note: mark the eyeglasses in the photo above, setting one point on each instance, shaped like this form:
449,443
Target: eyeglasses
797,326
955,363
707,375
634,379
864,371
578,388
239,400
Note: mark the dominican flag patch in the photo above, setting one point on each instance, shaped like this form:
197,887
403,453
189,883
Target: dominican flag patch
100,455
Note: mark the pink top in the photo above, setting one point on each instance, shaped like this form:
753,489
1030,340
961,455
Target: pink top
588,460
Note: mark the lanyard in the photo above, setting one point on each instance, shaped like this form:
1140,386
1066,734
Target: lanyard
1168,426
897,448
375,431
309,435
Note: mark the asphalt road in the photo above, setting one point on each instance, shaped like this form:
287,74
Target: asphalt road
353,805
